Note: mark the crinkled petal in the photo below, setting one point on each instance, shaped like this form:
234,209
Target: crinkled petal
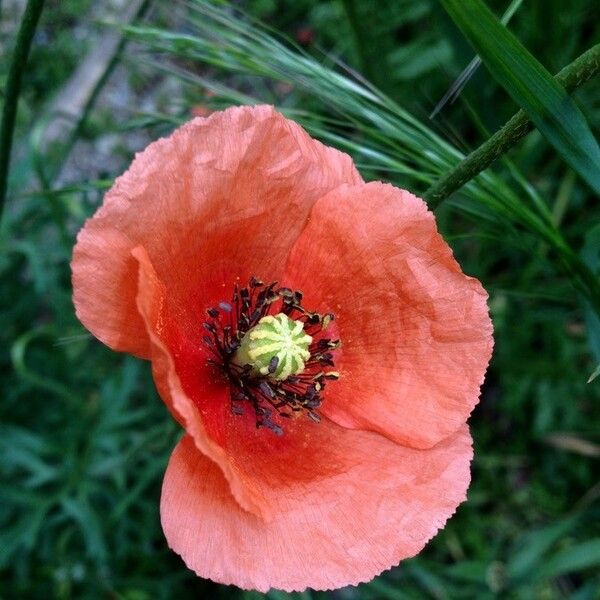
415,331
220,199
383,506
151,302
198,396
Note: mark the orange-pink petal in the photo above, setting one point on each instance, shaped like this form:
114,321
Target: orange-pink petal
198,396
202,203
415,331
381,507
151,302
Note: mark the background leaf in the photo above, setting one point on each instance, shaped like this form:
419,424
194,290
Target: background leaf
531,86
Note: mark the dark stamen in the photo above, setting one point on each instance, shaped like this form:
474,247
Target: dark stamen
269,398
273,364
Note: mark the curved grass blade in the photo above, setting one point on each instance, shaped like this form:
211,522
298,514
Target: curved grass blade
585,555
546,102
457,87
594,374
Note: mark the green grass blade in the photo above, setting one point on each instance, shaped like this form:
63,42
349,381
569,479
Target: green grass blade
33,10
461,81
594,375
590,253
530,556
531,86
585,555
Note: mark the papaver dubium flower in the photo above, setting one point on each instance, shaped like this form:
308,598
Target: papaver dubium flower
311,332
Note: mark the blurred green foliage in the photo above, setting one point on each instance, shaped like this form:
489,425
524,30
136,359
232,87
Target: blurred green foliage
84,438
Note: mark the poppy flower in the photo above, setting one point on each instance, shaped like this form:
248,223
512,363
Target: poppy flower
311,332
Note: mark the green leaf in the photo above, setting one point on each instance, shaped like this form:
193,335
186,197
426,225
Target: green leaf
384,590
457,87
577,558
80,510
531,86
594,374
590,253
526,559
470,570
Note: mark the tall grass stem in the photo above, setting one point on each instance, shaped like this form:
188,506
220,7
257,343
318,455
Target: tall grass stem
571,77
31,16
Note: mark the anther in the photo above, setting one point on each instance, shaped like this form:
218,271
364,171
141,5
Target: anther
270,349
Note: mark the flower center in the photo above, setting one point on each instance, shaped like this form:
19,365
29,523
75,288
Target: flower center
277,347
274,353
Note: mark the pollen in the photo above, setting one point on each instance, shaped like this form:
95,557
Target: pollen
277,347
